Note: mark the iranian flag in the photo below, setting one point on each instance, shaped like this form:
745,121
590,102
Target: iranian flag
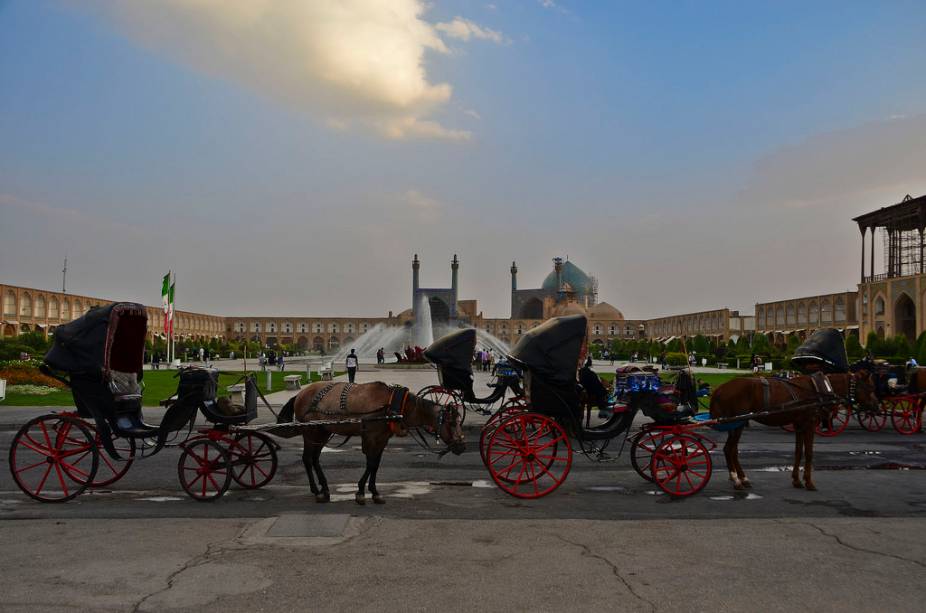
167,302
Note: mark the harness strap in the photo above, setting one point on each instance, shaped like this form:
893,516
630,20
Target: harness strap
396,407
313,406
344,392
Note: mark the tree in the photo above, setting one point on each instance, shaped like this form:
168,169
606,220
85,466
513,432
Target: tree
853,347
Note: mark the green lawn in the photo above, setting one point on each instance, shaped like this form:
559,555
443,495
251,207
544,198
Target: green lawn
159,385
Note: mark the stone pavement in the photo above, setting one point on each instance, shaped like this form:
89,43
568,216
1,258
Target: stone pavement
375,564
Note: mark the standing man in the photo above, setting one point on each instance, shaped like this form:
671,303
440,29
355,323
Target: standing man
280,362
352,362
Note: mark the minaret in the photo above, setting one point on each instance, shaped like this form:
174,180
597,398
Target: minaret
415,266
558,268
514,277
454,284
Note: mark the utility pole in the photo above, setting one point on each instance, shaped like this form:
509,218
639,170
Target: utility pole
64,276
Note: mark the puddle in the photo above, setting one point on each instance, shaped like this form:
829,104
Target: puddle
721,498
752,496
160,499
655,493
483,483
866,452
606,488
332,450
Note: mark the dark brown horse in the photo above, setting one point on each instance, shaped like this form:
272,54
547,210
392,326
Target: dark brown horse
756,394
332,402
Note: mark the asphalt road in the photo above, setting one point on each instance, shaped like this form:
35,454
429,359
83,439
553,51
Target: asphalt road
859,474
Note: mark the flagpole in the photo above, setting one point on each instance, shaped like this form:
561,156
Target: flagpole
173,308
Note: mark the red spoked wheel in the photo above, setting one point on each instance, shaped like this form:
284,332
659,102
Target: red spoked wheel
681,465
204,470
835,422
511,407
444,397
529,455
906,415
871,420
253,459
642,447
51,452
110,469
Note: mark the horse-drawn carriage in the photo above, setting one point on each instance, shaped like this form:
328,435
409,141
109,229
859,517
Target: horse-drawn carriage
57,456
902,396
453,356
528,448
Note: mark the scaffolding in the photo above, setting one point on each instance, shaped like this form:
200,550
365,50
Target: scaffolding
903,252
901,227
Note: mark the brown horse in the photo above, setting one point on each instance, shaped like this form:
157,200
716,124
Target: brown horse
754,395
332,402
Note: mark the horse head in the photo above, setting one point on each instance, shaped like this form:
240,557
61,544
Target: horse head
446,422
863,386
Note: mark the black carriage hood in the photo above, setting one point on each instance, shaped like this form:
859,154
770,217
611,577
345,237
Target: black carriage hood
826,347
551,350
111,337
455,350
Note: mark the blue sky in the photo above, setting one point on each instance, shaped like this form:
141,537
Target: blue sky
667,148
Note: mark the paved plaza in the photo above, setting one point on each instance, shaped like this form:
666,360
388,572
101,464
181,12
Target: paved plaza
448,539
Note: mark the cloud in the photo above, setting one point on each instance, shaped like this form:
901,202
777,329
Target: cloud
423,208
464,29
353,61
857,164
472,113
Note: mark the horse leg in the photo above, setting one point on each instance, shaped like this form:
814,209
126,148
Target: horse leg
737,434
798,450
376,462
307,462
325,495
808,460
729,449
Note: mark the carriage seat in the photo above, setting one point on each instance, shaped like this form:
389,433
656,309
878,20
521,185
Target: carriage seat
127,398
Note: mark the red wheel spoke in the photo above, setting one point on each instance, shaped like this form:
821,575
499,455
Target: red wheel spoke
64,487
71,467
44,479
48,444
45,451
31,466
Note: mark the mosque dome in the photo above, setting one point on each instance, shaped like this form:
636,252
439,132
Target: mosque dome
573,276
603,310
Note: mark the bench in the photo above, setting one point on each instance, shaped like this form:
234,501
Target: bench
293,382
236,393
2,390
326,372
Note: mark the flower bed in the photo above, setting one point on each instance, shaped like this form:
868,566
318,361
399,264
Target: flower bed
19,373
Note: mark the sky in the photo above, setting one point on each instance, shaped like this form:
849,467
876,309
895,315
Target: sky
288,157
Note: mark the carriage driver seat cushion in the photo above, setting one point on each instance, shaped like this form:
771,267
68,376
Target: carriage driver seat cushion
127,400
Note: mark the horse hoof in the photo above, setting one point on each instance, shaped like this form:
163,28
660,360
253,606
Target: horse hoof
747,484
360,499
379,500
738,485
323,498
810,487
798,485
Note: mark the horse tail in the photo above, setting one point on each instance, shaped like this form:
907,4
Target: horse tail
288,412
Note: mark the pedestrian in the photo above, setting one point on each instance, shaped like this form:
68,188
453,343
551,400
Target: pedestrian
156,360
262,362
201,354
352,362
380,356
280,362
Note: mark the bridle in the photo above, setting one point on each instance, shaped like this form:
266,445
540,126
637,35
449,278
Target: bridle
447,414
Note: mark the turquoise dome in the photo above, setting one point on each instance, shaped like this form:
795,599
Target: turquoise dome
580,282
